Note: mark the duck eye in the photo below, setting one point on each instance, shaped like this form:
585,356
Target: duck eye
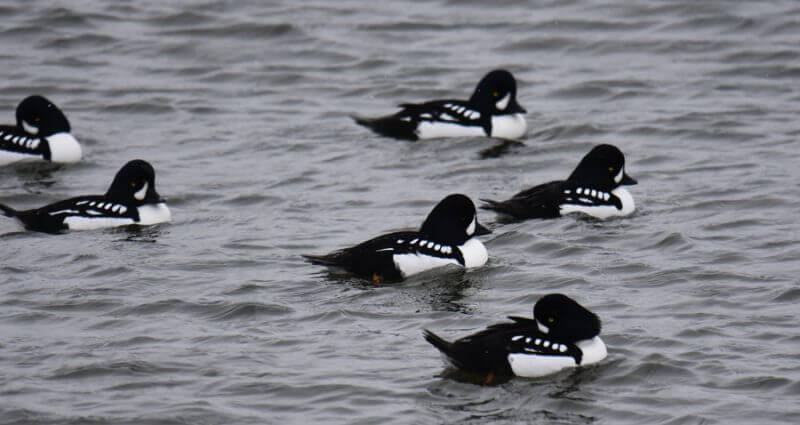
611,169
495,94
551,319
37,119
133,184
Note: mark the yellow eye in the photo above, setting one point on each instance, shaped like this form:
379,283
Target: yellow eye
37,119
551,319
611,169
133,184
495,94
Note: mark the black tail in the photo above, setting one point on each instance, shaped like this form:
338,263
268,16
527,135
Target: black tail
389,126
440,343
321,260
8,211
492,205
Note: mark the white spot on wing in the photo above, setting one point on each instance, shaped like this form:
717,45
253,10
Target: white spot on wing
517,337
67,211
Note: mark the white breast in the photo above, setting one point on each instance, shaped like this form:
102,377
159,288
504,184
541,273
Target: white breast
154,214
64,148
434,129
509,126
604,211
533,365
474,253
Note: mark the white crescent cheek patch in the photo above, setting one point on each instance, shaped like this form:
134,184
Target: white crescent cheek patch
32,129
140,194
502,104
471,228
618,177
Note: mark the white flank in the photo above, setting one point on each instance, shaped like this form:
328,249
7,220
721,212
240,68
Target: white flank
8,157
141,193
533,365
64,148
502,104
32,129
434,129
154,214
91,223
509,126
475,254
604,211
410,264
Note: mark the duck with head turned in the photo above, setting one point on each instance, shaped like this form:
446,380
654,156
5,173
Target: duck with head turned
42,132
491,111
131,199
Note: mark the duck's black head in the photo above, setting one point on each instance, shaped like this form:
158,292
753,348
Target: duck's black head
497,92
40,117
135,183
453,221
602,168
560,317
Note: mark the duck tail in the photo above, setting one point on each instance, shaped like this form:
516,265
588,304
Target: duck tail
321,260
8,211
440,343
389,126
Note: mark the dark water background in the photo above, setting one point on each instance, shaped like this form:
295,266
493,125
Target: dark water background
242,107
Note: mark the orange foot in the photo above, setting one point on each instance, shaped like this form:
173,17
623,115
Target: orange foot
489,379
377,279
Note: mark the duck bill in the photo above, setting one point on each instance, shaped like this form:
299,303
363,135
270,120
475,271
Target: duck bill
627,180
514,108
154,198
481,230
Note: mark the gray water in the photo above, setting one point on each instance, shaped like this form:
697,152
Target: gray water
243,107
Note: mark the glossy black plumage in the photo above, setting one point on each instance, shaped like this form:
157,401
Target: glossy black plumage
596,171
487,351
119,202
445,227
38,114
475,112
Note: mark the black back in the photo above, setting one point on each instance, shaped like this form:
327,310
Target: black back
120,201
492,88
596,170
446,225
488,350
